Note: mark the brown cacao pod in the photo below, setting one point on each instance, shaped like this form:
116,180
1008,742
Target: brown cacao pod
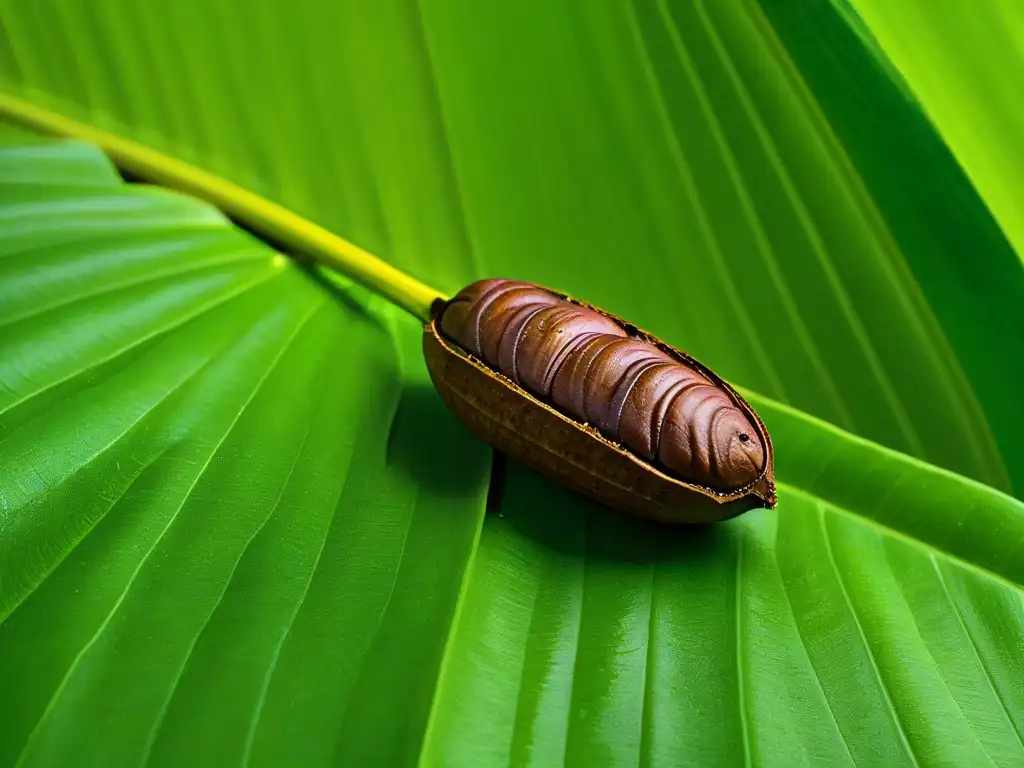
597,404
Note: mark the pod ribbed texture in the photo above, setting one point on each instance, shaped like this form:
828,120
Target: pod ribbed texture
588,366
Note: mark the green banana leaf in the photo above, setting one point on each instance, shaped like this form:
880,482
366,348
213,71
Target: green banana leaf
237,525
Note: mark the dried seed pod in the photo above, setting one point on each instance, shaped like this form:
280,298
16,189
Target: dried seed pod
597,404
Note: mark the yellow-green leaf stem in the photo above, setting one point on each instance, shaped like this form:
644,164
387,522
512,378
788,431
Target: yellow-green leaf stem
257,213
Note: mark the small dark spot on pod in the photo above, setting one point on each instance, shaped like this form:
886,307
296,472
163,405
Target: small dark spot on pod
650,430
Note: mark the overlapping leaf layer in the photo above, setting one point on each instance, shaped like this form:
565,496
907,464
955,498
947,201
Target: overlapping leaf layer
237,525
666,159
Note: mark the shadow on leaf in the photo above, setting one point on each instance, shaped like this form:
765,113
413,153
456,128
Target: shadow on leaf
428,443
340,293
437,451
571,524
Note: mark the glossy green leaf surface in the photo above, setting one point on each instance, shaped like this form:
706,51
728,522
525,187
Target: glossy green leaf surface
218,525
238,527
226,538
467,140
808,637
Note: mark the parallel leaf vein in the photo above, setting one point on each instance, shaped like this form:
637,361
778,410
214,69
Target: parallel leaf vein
974,647
142,562
807,655
765,247
159,722
741,692
148,277
864,638
685,173
833,508
163,330
814,237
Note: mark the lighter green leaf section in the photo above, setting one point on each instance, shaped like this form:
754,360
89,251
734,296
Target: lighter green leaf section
965,65
823,632
660,159
211,479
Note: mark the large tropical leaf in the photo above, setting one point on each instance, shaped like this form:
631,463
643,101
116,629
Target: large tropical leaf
230,534
213,477
236,524
464,140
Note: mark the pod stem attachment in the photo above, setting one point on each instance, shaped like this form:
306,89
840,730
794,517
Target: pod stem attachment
266,218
